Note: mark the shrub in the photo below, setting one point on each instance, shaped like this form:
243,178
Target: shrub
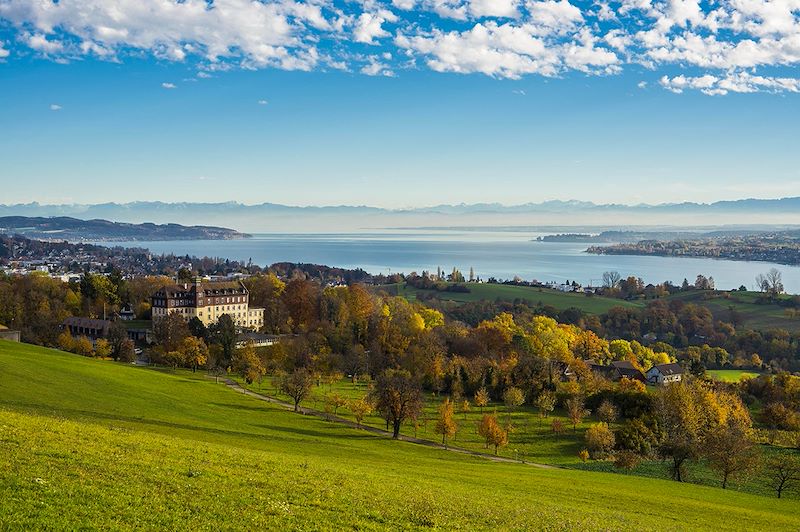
627,460
599,440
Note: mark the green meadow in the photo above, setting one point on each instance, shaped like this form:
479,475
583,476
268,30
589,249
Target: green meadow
732,375
493,292
90,444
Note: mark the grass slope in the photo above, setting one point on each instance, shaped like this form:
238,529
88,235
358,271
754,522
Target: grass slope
760,316
92,444
493,292
732,375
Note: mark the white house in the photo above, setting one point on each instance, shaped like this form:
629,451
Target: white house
664,374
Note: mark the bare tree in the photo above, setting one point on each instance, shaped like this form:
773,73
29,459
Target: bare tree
611,279
783,471
770,282
398,397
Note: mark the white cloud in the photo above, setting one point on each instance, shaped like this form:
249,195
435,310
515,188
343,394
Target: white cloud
375,67
368,28
55,107
168,85
262,102
494,8
642,84
724,39
741,82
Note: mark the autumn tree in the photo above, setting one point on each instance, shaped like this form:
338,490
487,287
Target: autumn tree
83,346
465,407
512,397
360,409
170,331
770,283
498,437
337,401
576,411
297,385
599,440
482,398
607,412
546,403
194,352
446,423
102,348
65,341
485,428
397,396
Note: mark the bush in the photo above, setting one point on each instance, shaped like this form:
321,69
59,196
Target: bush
599,440
627,460
637,435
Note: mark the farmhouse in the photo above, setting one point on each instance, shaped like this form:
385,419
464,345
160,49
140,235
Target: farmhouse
664,374
624,368
88,327
207,301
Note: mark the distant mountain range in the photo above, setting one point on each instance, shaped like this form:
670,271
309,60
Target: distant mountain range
272,217
73,229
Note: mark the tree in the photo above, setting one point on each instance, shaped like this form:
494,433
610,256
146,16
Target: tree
83,346
730,452
337,401
170,331
498,437
485,428
117,335
445,423
599,440
126,351
513,397
611,279
482,398
297,385
465,407
360,409
247,363
546,403
397,396
223,334
194,352
65,341
607,412
576,411
770,283
102,348
783,471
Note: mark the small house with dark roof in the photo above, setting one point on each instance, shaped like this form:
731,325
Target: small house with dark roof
663,374
89,327
625,368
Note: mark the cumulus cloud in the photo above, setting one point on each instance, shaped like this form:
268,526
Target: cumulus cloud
741,82
732,41
168,85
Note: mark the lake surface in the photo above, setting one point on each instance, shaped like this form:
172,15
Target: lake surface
499,254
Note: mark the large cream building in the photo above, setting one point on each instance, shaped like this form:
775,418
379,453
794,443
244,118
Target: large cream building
208,301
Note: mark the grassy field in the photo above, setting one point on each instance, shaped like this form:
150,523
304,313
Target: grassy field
531,440
94,444
732,375
754,315
493,292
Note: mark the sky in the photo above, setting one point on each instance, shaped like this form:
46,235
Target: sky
398,103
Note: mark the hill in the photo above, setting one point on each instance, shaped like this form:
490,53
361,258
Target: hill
493,292
93,444
749,308
66,228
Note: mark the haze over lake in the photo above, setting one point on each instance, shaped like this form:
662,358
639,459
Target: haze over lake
498,254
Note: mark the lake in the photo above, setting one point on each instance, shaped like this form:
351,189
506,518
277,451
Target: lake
500,254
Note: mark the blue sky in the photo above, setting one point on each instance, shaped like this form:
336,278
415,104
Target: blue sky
403,103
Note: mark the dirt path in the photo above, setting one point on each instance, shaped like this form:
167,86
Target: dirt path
374,430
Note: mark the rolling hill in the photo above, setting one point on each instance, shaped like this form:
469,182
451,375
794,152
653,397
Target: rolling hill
93,444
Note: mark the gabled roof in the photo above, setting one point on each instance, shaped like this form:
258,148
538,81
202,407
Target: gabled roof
86,323
668,369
